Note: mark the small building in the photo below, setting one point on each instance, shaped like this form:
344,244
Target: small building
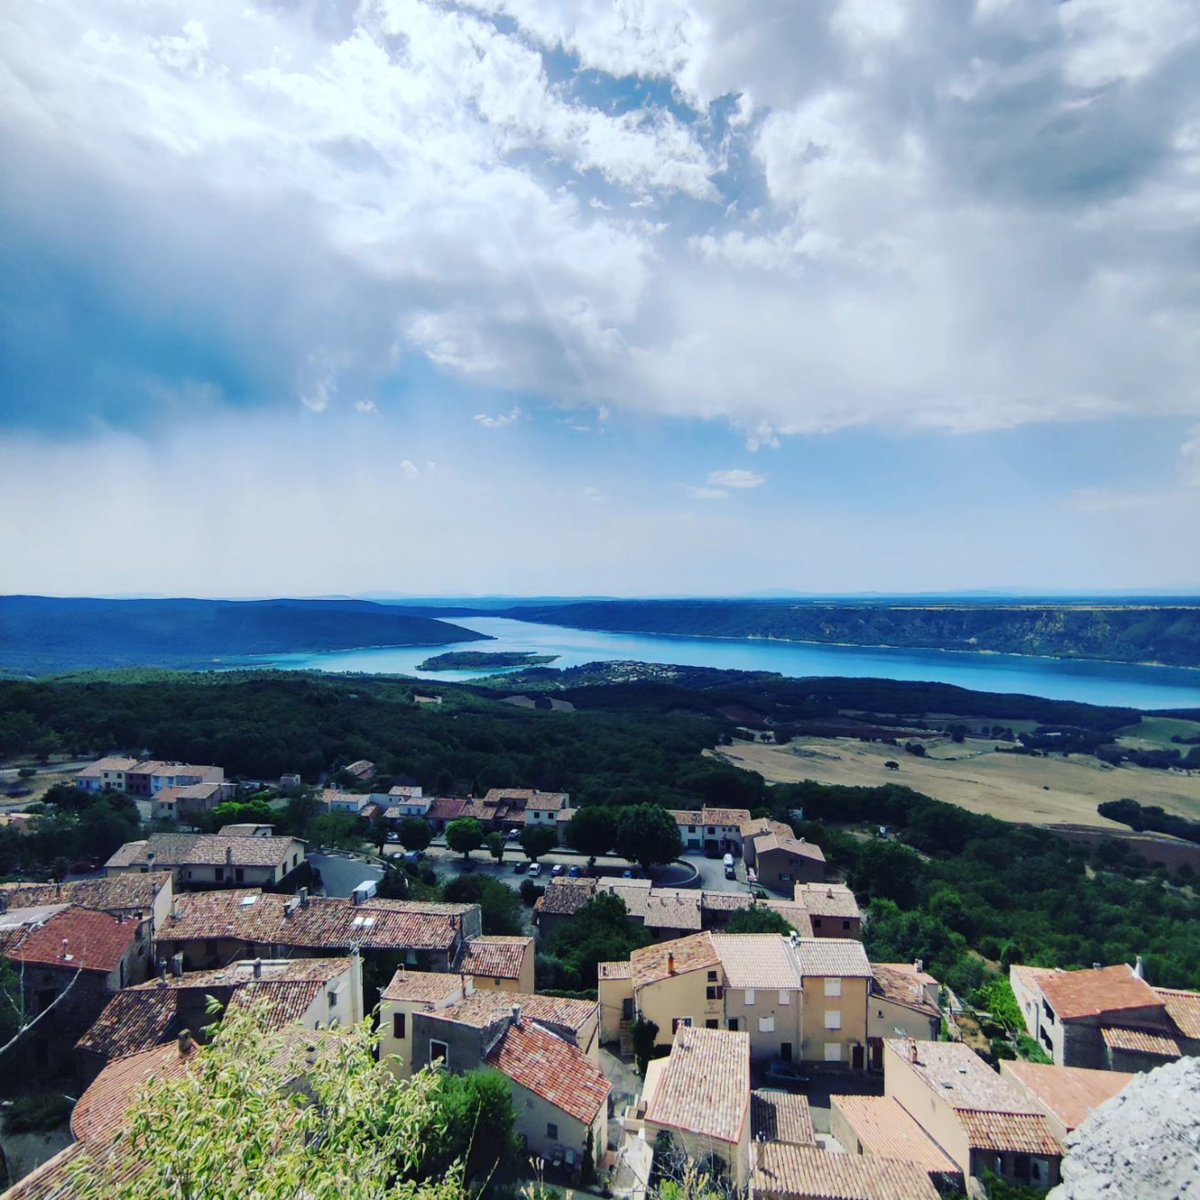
981,1122
350,803
758,827
780,863
146,779
699,1096
711,830
442,811
539,808
880,1127
409,993
131,897
1066,1095
785,1172
498,963
781,1117
403,801
1107,1018
105,775
836,977
562,899
69,961
207,860
832,909
362,769
183,803
762,993
903,1002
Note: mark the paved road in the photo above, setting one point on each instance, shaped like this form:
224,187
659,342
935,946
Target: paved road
340,874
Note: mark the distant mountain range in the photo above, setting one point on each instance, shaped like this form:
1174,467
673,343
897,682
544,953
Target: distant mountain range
41,635
1167,633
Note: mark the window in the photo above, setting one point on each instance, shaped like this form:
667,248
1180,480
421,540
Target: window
766,1024
711,829
333,999
677,1022
439,1052
733,1024
239,874
833,987
712,977
552,1131
210,948
219,874
714,993
846,924
833,1019
399,1026
833,1051
712,1024
784,877
750,996
785,998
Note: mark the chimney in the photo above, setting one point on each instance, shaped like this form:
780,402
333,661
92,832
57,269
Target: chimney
918,965
3,902
1139,968
175,909
177,964
670,962
911,1046
64,953
162,968
516,1015
229,856
185,1042
795,938
1095,966
303,894
258,968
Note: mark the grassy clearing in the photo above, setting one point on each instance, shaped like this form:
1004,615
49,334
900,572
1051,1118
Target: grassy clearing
1155,733
1035,791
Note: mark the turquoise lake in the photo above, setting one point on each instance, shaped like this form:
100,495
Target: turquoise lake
1093,682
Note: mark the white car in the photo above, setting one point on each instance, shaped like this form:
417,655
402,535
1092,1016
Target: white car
535,870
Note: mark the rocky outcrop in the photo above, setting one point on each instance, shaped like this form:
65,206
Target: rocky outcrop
1144,1144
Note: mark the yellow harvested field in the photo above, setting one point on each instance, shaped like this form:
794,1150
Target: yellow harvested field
1012,787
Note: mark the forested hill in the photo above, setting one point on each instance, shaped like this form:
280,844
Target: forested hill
41,635
1168,633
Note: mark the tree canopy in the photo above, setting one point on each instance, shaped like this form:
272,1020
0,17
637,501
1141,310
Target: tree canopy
648,835
464,835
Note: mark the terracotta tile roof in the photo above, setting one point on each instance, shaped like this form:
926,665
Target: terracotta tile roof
687,816
1184,1010
205,849
780,1117
111,894
95,941
1140,1041
408,792
132,1020
290,999
827,899
1079,995
551,1068
757,960
446,808
1071,1094
327,923
751,829
566,896
273,970
657,908
793,914
495,956
726,816
705,1086
478,810
900,984
1016,1133
422,987
529,798
782,1172
614,970
769,843
54,1179
724,902
92,770
885,1128
481,1009
100,1111
960,1077
842,957
650,964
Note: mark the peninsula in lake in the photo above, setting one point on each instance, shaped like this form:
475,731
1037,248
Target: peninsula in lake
471,660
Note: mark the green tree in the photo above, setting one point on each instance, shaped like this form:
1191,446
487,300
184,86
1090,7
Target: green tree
599,932
537,840
499,906
480,1128
495,845
380,828
340,830
758,920
232,1126
647,834
592,830
415,834
644,1034
464,835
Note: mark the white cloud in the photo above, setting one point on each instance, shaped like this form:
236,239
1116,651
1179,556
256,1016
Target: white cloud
409,469
738,477
365,406
499,421
703,493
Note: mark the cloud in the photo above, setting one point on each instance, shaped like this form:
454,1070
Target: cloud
499,421
736,478
703,493
894,215
365,406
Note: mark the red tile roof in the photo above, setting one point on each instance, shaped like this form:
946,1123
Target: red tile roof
1006,1132
782,1172
1140,1041
552,1069
112,894
652,963
445,808
705,1086
884,1127
1071,1094
100,1111
1184,1010
781,1117
495,956
1078,995
94,941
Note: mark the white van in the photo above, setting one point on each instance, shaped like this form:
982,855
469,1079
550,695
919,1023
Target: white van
730,870
365,890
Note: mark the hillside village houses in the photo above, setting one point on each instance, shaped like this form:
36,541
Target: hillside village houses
237,855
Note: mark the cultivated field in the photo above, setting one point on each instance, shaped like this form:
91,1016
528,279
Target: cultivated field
1013,787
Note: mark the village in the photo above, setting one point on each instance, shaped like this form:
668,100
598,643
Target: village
782,1064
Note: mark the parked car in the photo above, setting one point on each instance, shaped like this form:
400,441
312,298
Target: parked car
513,834
520,866
574,873
535,870
412,857
556,870
784,1074
393,836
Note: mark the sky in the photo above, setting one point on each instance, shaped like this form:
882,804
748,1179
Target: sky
572,297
